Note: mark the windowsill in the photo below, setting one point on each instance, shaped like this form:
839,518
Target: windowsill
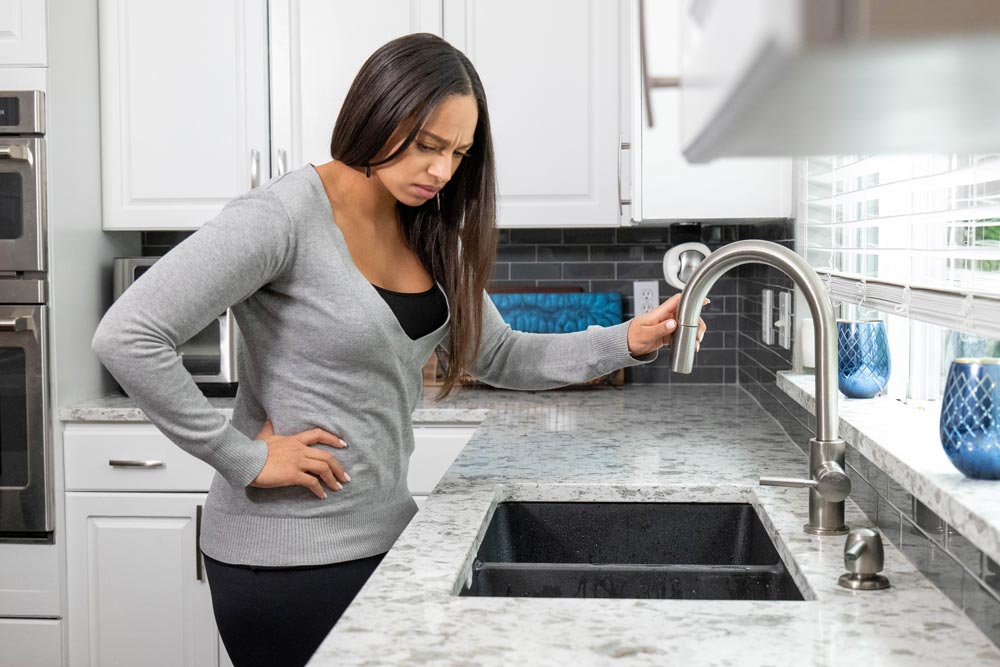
902,440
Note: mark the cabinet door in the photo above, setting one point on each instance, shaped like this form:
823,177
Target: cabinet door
137,589
316,49
22,33
184,109
551,74
435,447
668,187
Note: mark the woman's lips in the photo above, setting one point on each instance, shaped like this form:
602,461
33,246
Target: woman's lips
425,191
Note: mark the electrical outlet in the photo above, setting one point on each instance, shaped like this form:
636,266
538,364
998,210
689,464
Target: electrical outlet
646,295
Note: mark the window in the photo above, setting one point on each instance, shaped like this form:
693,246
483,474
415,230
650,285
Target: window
913,240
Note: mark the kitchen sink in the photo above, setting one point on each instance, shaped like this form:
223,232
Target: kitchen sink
681,551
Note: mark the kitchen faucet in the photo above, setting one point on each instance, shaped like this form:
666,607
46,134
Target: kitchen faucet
828,483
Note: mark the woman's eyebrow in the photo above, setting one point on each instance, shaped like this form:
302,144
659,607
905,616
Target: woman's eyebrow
434,136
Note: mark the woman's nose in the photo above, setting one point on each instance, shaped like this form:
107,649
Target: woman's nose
440,168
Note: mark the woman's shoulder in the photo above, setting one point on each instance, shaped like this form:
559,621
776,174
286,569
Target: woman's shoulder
299,191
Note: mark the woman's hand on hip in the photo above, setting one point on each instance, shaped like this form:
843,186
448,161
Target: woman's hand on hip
651,331
291,461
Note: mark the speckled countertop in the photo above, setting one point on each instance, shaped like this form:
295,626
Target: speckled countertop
641,443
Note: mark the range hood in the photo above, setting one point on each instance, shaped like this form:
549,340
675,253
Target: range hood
835,77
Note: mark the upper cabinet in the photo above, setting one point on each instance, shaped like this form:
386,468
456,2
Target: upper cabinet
184,134
22,33
316,49
184,109
552,72
801,77
665,186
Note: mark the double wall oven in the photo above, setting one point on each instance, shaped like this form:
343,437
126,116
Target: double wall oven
26,502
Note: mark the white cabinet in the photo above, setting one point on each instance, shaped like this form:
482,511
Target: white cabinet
434,449
665,186
184,109
30,642
137,590
552,72
22,33
316,49
137,594
184,134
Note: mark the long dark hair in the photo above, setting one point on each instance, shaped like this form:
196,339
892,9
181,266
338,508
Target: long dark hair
398,87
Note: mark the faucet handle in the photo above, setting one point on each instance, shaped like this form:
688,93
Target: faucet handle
831,482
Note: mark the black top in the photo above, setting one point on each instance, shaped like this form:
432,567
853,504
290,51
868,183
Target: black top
419,313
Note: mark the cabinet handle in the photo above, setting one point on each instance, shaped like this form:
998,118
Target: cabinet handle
282,161
254,168
622,145
197,544
118,463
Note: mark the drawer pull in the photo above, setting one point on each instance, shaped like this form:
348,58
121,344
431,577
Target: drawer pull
197,545
118,463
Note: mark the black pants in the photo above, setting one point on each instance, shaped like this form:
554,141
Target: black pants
278,617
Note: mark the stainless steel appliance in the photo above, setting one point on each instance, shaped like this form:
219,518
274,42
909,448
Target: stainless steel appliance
211,355
26,488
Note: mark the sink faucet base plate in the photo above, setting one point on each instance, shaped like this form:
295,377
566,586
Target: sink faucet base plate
814,530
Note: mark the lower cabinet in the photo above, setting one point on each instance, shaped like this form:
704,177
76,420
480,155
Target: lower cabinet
138,594
137,589
30,642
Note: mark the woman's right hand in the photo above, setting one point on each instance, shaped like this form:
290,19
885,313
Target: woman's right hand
291,459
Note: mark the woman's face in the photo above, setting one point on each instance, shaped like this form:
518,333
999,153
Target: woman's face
437,151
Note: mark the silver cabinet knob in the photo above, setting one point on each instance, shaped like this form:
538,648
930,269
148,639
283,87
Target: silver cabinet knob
864,558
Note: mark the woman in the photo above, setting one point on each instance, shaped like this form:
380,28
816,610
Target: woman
343,277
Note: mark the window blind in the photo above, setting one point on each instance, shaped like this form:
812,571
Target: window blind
917,235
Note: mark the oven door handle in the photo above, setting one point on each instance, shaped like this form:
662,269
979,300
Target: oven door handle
16,324
17,153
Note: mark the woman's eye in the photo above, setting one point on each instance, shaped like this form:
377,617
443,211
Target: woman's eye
461,155
425,147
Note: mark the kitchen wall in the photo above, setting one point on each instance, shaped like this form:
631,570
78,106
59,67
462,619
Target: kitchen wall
758,363
608,260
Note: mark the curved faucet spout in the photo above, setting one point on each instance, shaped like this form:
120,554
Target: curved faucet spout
828,482
796,268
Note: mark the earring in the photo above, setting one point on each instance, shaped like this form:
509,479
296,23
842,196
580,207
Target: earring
368,171
439,202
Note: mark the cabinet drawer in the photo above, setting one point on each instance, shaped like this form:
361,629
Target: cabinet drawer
90,449
30,642
435,447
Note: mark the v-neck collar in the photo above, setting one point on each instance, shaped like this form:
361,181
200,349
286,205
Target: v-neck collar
384,313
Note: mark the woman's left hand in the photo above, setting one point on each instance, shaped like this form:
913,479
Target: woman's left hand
651,331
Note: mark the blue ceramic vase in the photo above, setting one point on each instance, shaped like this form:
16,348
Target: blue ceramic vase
863,363
970,417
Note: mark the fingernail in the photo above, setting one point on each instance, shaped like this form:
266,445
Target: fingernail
343,442
671,324
707,301
324,495
347,477
338,486
697,346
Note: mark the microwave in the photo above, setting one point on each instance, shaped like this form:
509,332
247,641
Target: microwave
210,355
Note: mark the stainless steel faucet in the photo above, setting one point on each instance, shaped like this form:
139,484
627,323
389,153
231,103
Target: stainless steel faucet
828,483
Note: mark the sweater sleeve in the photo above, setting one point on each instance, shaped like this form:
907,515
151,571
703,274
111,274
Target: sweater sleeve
228,259
511,359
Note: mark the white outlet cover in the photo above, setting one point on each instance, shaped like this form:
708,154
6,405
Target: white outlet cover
645,295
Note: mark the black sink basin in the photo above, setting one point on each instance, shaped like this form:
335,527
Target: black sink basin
694,551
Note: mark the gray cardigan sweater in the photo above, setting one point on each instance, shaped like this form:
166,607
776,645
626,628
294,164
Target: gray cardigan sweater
321,349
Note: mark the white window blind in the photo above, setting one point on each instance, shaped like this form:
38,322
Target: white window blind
913,235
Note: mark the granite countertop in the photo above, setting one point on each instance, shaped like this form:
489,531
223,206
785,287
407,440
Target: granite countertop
645,443
904,441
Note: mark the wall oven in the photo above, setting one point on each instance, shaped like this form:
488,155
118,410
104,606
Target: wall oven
211,355
26,502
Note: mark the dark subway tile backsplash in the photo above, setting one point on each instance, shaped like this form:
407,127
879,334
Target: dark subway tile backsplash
609,259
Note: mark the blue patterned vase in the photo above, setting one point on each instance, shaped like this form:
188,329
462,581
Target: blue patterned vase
863,364
970,417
